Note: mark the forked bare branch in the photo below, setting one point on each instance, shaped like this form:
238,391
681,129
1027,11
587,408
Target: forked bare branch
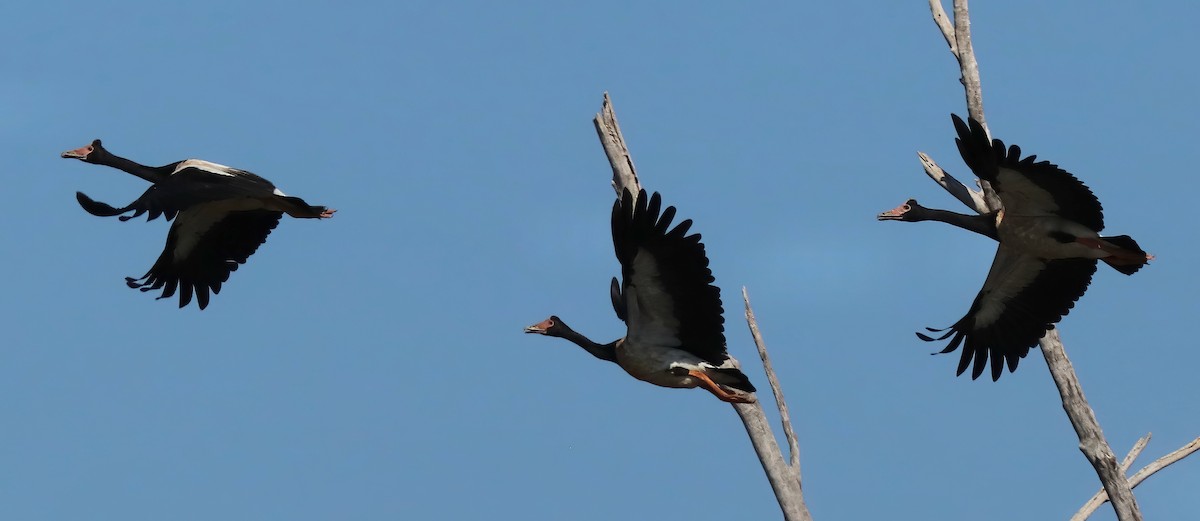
1161,463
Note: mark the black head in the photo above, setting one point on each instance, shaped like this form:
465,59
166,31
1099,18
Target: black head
89,154
552,326
909,211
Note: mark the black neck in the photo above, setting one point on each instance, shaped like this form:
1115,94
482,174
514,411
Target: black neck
149,173
601,351
982,224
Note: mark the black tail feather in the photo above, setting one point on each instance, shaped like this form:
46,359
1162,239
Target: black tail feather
733,377
1126,242
302,209
98,208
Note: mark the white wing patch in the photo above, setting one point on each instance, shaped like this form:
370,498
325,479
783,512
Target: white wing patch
207,166
279,193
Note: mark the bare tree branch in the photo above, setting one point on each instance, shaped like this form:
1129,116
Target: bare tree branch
973,199
784,478
1136,451
966,61
943,23
785,419
624,174
1165,461
1149,470
958,37
1091,438
784,481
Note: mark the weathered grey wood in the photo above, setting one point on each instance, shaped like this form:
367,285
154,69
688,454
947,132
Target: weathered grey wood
972,85
973,199
1161,463
958,37
1087,428
624,174
784,478
1136,451
943,23
783,481
776,389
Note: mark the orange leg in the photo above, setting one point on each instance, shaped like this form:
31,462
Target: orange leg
716,389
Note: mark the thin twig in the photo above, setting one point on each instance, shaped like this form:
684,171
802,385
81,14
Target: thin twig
1136,451
1149,470
776,389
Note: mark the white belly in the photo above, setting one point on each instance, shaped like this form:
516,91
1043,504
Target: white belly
659,365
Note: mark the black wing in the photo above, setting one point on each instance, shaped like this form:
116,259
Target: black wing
1021,299
182,190
669,272
192,263
1026,187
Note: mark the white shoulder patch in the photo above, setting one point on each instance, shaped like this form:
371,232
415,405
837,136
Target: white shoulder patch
279,193
207,166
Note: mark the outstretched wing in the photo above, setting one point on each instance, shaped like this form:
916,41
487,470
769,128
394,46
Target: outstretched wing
1026,187
201,253
668,293
1022,297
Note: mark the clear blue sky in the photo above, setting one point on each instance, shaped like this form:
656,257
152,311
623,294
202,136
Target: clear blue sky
373,367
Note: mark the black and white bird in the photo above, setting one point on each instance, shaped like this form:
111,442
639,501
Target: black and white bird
221,216
1049,233
675,333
